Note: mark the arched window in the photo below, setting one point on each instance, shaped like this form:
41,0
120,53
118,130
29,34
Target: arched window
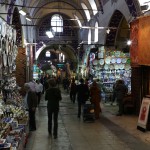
89,37
47,54
87,13
57,23
96,32
93,5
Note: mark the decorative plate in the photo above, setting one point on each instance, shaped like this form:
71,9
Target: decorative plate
113,60
124,60
101,61
118,60
101,55
106,66
107,60
127,67
116,66
117,53
111,66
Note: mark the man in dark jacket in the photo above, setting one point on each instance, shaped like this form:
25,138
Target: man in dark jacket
82,95
31,104
121,90
53,96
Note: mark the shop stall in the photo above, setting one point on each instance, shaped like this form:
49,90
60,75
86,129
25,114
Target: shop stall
108,66
13,116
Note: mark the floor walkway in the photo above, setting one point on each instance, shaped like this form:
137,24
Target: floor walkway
110,132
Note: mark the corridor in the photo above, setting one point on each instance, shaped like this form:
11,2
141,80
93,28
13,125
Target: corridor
74,134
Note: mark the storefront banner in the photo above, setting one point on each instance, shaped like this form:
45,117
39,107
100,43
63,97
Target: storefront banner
144,112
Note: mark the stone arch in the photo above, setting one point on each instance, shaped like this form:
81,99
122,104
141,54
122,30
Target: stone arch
116,26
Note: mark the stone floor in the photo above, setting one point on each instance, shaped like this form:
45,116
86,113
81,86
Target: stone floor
110,132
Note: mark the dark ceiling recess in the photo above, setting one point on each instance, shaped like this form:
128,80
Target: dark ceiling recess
115,21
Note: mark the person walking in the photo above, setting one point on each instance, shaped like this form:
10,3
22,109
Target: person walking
121,91
95,94
82,95
73,90
31,104
53,96
39,90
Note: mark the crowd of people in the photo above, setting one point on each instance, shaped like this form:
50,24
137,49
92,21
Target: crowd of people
79,92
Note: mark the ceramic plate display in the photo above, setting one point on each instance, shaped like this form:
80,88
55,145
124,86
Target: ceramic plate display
101,61
118,60
4,60
117,53
111,66
101,55
113,60
121,66
107,60
127,67
116,66
124,60
95,62
106,66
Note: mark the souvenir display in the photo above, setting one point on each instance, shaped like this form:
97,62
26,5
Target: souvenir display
13,115
113,66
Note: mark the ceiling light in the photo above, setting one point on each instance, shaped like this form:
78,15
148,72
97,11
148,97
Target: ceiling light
28,18
108,31
129,42
49,34
23,11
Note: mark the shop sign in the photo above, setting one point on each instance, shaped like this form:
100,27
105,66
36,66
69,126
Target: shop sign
144,114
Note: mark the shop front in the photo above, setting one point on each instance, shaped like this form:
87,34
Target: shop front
13,115
108,66
140,60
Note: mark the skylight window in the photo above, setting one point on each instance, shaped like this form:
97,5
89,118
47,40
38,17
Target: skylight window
57,23
87,13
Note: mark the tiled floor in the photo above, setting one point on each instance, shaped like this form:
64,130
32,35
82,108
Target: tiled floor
108,133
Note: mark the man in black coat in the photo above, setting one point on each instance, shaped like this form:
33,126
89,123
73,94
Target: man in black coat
82,95
53,96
